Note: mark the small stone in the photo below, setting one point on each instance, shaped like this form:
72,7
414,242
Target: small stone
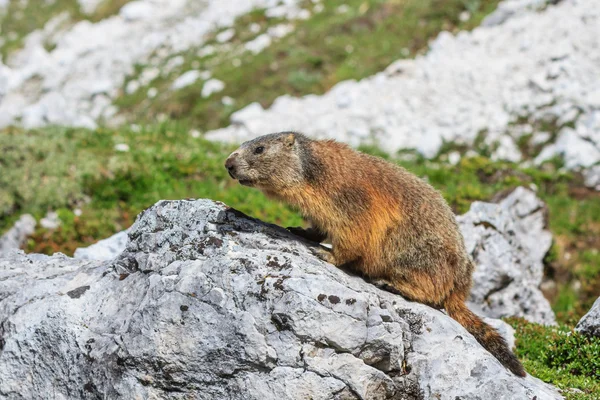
258,44
227,101
225,36
342,9
50,221
454,158
122,147
152,92
212,86
187,79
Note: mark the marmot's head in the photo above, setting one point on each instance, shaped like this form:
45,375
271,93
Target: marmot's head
272,162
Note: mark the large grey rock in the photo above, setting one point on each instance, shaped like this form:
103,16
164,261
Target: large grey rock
508,242
16,236
208,303
590,323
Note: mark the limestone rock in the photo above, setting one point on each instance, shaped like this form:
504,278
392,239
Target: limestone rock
206,302
508,242
590,323
106,249
15,237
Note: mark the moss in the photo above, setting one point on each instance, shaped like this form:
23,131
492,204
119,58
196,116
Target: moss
560,356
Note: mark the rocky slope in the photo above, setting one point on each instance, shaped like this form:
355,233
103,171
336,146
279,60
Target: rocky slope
526,77
207,302
75,82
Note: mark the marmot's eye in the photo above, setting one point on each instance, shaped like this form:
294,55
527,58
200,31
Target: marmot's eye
259,150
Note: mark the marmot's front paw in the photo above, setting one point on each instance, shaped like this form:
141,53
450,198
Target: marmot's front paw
309,234
324,254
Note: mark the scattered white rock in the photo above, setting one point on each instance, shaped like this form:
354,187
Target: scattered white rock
206,51
132,86
342,9
50,221
187,79
592,177
137,10
227,101
86,6
173,63
152,92
254,27
454,157
195,133
226,35
16,236
258,44
280,30
212,86
60,87
122,147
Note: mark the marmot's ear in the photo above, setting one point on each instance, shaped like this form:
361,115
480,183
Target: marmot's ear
289,139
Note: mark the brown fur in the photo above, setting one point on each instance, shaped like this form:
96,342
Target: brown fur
381,220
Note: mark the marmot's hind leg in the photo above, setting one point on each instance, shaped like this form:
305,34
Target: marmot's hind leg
418,286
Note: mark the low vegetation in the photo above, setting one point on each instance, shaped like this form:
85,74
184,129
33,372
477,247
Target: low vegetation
560,355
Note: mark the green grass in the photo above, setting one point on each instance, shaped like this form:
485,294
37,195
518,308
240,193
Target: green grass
560,356
23,17
327,48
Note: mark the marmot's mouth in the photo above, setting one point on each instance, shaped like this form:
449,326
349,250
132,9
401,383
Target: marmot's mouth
246,182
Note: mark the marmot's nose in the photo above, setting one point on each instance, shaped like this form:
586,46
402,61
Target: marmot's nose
230,165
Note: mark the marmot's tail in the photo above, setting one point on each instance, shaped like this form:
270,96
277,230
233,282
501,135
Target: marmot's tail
487,336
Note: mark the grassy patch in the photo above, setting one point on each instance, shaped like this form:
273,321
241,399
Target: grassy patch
560,356
331,46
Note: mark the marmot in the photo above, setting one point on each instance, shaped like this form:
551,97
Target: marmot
381,220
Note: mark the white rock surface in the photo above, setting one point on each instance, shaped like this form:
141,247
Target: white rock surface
590,323
544,65
88,6
50,221
75,83
16,236
187,79
508,242
106,249
212,86
207,303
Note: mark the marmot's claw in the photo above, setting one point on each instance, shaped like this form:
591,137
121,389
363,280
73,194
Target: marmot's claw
323,254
